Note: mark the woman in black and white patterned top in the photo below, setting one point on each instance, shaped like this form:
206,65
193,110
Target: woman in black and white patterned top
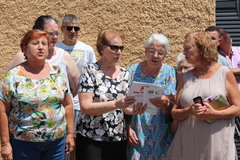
101,128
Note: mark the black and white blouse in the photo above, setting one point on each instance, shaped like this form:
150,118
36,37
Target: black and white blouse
108,126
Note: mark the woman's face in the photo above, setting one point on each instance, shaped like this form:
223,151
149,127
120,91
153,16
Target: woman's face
113,50
184,66
191,51
37,49
155,54
53,31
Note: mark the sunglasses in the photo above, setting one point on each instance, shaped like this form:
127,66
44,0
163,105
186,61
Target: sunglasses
115,47
69,28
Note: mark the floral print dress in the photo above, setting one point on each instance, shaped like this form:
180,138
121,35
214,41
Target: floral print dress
109,126
153,131
37,113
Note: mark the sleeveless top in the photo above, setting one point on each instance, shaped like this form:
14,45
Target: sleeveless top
200,140
58,60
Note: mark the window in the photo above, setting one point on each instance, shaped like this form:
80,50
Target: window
228,17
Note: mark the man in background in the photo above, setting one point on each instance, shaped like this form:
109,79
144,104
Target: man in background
216,36
82,53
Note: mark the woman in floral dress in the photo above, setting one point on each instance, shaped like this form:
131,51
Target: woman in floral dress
36,108
150,135
101,128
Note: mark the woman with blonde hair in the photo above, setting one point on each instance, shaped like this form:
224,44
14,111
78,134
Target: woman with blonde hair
196,138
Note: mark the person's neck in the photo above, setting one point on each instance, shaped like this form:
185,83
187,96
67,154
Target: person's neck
203,69
151,71
109,69
34,67
69,43
227,51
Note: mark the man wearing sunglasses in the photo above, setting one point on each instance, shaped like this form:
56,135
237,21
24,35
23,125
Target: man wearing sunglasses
81,52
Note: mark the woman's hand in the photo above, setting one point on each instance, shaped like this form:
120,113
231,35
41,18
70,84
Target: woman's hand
6,151
138,108
164,103
207,113
132,137
70,144
123,103
198,109
160,102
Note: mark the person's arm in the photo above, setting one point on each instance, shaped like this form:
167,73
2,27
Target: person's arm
132,136
138,108
6,148
177,112
236,71
73,73
17,59
67,103
89,107
233,96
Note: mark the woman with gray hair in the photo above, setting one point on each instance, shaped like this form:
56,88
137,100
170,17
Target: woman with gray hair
150,135
182,64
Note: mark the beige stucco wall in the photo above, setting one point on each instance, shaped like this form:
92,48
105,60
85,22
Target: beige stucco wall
136,18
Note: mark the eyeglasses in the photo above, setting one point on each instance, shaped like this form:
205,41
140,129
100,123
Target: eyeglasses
115,47
159,52
50,33
184,68
69,28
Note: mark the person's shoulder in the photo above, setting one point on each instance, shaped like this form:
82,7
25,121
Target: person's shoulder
135,65
167,67
14,71
92,66
236,49
84,45
55,69
59,44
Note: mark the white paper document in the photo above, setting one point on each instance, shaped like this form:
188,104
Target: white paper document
145,91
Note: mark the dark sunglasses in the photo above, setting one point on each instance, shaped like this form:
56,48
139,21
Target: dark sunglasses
69,28
115,47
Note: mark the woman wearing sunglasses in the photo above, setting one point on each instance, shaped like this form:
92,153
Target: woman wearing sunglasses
101,128
150,135
56,56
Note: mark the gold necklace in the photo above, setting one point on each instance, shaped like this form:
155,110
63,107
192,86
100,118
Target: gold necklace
145,70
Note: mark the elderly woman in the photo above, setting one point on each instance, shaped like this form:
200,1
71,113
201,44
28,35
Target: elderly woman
196,138
36,108
182,64
56,56
101,128
150,135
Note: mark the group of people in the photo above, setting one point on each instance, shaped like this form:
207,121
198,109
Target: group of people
57,102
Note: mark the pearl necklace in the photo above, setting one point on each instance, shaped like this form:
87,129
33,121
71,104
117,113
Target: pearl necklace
145,70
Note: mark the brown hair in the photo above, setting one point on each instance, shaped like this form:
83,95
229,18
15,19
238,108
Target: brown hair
103,38
33,34
207,47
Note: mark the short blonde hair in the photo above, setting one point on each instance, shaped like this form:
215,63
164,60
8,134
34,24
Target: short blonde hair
207,47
